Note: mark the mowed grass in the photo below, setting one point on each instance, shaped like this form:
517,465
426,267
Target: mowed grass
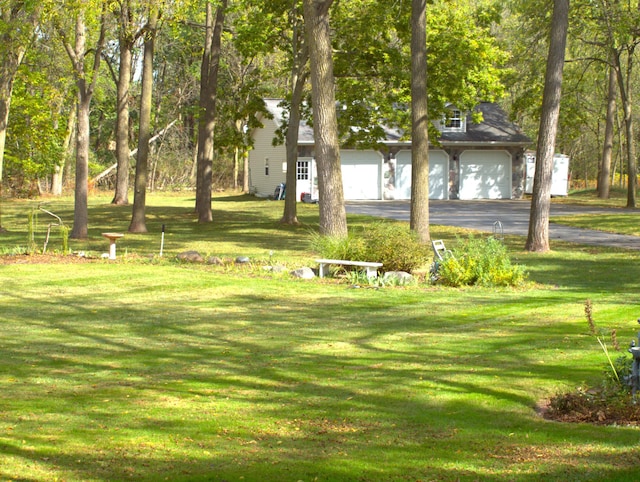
146,369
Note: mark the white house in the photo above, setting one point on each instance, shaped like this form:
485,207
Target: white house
472,161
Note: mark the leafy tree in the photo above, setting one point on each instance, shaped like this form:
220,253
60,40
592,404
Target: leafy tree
36,134
18,23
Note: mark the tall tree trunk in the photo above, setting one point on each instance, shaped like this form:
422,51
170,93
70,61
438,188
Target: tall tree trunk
538,237
121,195
81,193
333,217
207,122
86,86
419,219
625,88
245,171
299,74
138,222
604,179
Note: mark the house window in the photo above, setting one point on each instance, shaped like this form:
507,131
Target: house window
266,166
454,122
302,170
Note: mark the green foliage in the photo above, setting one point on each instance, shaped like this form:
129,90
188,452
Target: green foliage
395,246
352,247
36,132
480,261
392,244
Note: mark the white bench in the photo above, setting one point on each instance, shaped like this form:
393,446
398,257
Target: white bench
370,268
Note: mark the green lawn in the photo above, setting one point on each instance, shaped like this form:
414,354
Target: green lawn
155,370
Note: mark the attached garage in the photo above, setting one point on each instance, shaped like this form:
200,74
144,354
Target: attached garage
485,175
361,174
438,175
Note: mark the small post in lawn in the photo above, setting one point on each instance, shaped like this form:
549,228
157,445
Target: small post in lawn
162,241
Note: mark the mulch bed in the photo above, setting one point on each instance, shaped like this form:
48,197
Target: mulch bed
592,407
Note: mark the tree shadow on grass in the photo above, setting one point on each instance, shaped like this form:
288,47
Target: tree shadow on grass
266,386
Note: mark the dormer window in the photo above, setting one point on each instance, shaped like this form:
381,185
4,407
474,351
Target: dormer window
454,122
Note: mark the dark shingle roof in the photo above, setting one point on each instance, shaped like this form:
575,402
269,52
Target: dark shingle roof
495,129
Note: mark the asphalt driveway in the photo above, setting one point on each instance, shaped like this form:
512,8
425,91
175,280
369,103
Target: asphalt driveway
513,215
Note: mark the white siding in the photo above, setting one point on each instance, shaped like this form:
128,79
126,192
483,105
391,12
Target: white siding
259,182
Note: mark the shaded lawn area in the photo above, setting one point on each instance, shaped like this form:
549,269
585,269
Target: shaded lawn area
140,370
123,371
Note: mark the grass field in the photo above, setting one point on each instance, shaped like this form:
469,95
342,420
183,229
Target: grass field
150,369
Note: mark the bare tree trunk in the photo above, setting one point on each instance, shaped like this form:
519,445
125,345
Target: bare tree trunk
121,195
208,92
86,86
604,179
245,171
538,237
81,208
138,222
299,74
624,86
333,217
419,220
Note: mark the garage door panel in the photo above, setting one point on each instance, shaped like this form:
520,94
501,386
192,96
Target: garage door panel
361,174
485,175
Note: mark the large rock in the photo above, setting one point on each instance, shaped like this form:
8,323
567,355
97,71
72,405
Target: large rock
397,277
190,257
303,273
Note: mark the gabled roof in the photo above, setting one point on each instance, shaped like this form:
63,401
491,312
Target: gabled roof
495,129
305,132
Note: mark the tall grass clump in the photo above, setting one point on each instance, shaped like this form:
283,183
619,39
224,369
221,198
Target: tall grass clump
352,247
479,261
392,244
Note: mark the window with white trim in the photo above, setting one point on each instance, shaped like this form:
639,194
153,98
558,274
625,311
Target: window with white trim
454,122
302,170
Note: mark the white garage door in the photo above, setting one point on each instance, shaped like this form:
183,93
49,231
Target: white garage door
485,175
361,174
438,175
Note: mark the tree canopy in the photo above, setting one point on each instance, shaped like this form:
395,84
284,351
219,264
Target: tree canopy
484,50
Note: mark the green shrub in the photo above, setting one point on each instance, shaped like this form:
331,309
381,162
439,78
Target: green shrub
392,244
395,246
478,261
352,247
